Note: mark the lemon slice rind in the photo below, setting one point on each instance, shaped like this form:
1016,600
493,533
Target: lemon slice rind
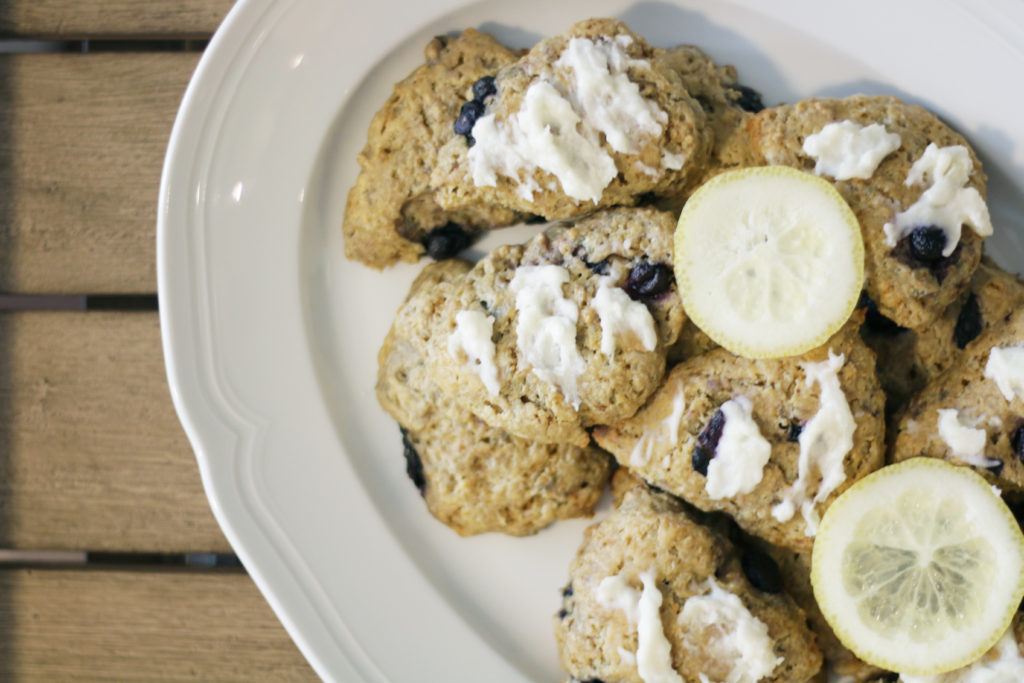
769,260
879,511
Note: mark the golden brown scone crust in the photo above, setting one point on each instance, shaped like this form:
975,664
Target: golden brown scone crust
780,397
391,208
685,133
477,478
913,297
980,404
650,530
609,388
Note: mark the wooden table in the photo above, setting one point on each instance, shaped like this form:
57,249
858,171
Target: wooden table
111,564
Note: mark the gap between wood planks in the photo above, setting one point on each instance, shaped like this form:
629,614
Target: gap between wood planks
63,559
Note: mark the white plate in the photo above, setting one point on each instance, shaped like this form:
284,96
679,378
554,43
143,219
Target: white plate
271,336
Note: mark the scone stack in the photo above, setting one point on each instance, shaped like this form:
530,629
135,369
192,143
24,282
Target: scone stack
521,382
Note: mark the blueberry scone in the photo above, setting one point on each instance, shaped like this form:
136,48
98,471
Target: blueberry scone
915,185
973,414
473,477
910,359
391,214
771,442
590,118
654,595
570,330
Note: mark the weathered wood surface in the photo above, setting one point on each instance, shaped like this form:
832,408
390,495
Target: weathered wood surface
82,142
92,456
99,625
111,18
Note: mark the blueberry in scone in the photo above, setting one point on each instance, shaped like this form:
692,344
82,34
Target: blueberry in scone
655,595
590,118
473,477
972,413
771,442
915,185
391,214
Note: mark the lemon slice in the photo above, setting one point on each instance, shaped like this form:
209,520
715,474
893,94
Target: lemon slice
919,567
769,260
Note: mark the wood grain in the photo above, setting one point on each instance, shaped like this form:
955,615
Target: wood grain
111,18
82,141
92,456
95,625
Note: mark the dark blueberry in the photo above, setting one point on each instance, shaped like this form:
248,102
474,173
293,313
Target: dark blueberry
997,468
484,88
700,459
567,591
563,613
446,241
878,323
968,323
1017,442
707,442
927,243
413,464
599,268
921,249
761,571
648,280
749,99
794,431
468,115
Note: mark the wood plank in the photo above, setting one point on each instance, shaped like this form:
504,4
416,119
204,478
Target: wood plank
92,456
82,141
111,18
94,625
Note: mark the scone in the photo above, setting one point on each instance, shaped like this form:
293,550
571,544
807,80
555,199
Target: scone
973,414
475,478
590,118
651,591
910,359
772,442
914,184
568,331
391,214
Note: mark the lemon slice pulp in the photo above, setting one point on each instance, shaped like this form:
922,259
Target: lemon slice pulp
919,567
769,260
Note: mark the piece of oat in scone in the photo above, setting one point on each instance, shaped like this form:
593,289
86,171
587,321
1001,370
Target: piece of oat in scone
973,414
915,185
590,118
472,477
908,360
771,442
391,214
651,591
567,331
